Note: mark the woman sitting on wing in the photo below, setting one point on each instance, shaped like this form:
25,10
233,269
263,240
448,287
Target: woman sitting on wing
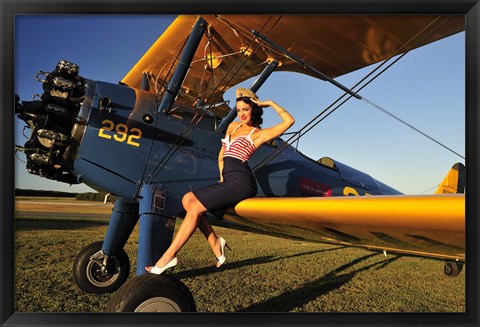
236,179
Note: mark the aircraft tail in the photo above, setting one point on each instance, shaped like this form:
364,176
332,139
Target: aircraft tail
454,182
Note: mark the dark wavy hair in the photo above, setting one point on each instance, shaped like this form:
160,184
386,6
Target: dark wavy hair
257,111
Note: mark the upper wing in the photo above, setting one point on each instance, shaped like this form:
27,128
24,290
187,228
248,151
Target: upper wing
333,44
428,225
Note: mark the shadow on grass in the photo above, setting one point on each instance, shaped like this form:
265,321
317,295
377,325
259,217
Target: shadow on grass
248,262
290,300
64,223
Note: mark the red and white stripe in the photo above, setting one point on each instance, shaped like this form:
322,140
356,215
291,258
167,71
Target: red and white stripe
242,147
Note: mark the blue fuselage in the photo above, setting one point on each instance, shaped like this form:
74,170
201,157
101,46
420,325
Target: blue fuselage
126,143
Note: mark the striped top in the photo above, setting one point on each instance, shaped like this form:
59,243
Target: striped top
241,147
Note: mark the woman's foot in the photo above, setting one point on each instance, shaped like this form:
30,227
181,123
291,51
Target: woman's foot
221,259
159,270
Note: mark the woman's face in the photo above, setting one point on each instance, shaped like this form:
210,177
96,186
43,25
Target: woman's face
244,111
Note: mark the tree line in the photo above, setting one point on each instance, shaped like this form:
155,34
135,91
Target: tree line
95,196
88,196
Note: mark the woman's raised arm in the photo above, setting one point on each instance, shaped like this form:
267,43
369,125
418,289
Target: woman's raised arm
270,133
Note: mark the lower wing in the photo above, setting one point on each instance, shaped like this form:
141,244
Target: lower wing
425,225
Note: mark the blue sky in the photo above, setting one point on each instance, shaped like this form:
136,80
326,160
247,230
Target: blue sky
426,88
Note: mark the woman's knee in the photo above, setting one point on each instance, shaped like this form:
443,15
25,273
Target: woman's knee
191,203
187,200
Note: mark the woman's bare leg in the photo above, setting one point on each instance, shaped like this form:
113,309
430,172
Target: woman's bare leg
195,210
207,230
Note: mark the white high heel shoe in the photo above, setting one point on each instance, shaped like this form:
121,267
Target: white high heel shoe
159,270
221,259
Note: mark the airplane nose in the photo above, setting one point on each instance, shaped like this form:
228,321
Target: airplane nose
50,149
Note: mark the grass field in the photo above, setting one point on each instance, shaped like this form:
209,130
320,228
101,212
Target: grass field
262,274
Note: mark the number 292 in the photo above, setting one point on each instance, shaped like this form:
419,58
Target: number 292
121,132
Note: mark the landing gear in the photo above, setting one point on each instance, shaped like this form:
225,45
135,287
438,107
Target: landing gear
96,273
152,293
452,268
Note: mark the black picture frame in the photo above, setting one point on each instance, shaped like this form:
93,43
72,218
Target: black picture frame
470,8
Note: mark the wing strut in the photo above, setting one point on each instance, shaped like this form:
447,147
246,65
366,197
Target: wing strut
304,64
255,86
183,66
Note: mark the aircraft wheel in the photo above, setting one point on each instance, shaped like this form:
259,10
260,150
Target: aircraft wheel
91,273
153,293
452,269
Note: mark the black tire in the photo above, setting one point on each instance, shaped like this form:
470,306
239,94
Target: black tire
88,276
452,269
153,293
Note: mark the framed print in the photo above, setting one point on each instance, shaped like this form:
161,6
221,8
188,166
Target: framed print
360,211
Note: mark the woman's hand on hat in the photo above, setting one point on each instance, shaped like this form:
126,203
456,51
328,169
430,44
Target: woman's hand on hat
262,104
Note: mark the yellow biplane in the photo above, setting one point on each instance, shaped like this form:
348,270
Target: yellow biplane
169,113
334,45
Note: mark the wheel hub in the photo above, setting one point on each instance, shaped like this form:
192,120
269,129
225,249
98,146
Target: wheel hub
100,274
158,304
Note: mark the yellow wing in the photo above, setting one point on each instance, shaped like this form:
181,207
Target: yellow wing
334,44
427,225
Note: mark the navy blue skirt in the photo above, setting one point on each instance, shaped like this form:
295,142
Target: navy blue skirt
238,184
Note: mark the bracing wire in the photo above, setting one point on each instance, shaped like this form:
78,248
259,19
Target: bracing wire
258,45
319,117
163,83
430,189
211,64
192,123
410,126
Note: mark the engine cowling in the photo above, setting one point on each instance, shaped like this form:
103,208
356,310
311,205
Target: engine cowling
51,147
